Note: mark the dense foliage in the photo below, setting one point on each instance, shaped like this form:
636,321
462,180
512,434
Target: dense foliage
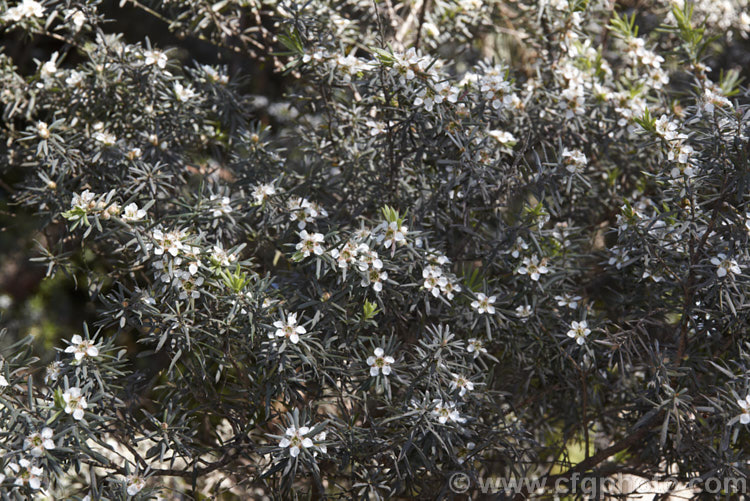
503,238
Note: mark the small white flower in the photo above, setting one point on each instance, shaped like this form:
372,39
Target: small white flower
533,267
574,160
53,371
725,266
745,406
262,192
82,348
394,234
579,331
461,383
523,312
42,130
27,474
131,213
75,403
518,247
182,93
221,256
310,243
375,278
568,300
434,280
504,138
475,347
27,8
38,442
105,138
317,440
223,208
135,483
295,439
289,329
483,304
155,57
78,17
446,411
380,362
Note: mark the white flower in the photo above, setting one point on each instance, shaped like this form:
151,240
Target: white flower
188,284
75,78
42,130
155,57
310,243
504,138
533,267
224,206
379,362
461,383
394,234
666,128
53,371
170,242
183,93
27,8
295,439
221,256
725,266
375,278
579,331
523,312
518,247
262,192
476,347
38,442
483,304
84,201
446,411
345,256
131,213
289,329
135,483
745,406
26,473
619,258
317,439
82,348
303,211
75,403
434,280
574,160
368,258
105,138
214,75
78,17
568,300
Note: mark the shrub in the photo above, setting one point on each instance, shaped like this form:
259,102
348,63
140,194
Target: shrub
496,238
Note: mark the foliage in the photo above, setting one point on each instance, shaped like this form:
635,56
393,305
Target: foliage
474,236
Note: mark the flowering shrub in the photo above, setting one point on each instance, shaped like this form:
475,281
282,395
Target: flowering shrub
490,237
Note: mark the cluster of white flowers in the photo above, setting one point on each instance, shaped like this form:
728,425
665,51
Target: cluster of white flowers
27,8
437,280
